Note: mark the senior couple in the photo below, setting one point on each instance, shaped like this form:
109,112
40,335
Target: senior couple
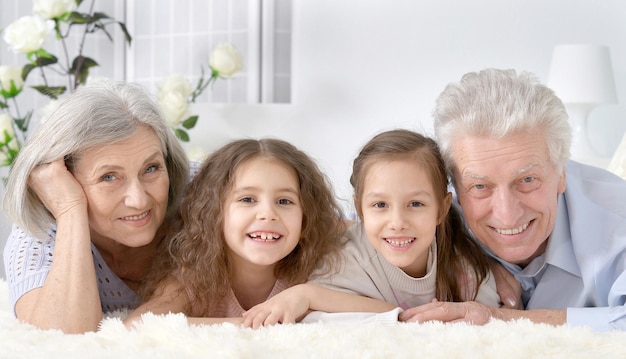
82,242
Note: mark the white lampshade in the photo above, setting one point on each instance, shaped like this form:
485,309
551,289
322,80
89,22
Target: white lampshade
582,73
582,77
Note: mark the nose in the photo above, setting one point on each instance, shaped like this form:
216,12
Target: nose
506,207
266,211
397,219
135,195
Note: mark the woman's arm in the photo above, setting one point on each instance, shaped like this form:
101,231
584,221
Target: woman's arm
293,303
172,298
69,298
169,297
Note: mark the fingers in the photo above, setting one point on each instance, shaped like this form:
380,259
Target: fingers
57,188
506,285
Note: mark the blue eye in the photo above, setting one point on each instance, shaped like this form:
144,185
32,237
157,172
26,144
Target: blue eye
154,168
479,186
415,204
528,179
108,177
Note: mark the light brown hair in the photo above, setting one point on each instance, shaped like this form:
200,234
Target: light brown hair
456,251
195,248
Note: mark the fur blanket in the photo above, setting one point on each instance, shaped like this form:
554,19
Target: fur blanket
170,337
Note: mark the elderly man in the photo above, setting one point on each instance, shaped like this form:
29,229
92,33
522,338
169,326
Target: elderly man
557,225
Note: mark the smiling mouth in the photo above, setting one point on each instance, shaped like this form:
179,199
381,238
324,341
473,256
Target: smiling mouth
513,231
136,218
264,236
400,243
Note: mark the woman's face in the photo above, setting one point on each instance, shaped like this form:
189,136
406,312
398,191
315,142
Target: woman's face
127,187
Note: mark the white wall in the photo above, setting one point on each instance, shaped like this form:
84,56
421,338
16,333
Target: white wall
360,67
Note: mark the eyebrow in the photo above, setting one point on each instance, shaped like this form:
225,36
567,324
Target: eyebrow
381,194
517,173
280,190
108,167
527,168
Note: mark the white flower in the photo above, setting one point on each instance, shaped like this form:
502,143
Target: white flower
197,154
27,34
6,124
226,60
48,109
49,9
174,106
10,74
176,83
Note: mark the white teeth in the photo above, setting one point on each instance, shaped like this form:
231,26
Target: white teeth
513,231
264,236
400,244
136,218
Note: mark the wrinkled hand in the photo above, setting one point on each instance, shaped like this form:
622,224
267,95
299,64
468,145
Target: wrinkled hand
509,289
286,307
468,312
57,188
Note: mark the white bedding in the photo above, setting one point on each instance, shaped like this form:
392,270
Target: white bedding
170,337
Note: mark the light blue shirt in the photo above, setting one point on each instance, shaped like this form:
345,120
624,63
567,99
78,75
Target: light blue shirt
584,266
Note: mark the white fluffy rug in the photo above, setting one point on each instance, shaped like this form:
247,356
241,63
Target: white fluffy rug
171,337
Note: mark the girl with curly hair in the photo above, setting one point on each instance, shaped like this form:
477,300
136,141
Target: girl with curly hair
259,217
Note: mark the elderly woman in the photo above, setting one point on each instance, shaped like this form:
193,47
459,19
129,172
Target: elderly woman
88,194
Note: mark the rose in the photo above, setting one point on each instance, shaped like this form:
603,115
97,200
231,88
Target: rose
225,60
27,34
197,154
11,82
174,106
176,83
50,9
8,142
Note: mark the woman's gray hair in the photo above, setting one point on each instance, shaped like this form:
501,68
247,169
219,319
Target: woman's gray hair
98,114
498,103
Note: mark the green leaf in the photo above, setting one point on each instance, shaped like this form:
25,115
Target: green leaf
26,70
182,135
190,122
78,2
126,33
51,91
97,16
3,105
77,18
22,123
80,68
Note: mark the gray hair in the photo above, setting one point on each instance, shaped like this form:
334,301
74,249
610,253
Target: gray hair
98,114
498,103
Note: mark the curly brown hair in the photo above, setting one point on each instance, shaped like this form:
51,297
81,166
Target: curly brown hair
456,251
194,249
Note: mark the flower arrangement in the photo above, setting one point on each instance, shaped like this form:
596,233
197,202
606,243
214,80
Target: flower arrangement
177,92
27,36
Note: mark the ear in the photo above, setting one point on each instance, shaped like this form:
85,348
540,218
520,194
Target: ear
445,207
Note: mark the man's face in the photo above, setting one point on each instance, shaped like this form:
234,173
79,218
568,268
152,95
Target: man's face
508,190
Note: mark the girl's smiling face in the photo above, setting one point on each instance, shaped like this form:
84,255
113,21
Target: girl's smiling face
400,212
262,213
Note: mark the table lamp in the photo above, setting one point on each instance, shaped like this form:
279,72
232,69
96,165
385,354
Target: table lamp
581,75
